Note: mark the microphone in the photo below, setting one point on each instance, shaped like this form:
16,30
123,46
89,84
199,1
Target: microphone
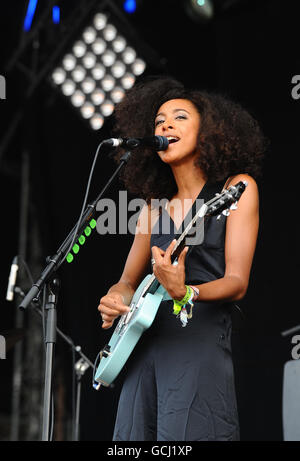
157,143
12,279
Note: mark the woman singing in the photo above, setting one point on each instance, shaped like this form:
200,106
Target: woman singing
179,383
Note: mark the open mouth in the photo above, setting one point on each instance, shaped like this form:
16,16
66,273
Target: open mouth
172,139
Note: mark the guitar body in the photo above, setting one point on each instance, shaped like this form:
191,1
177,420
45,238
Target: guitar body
130,328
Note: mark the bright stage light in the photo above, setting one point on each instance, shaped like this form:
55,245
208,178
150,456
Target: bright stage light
97,71
129,6
87,110
100,21
29,14
88,85
59,76
99,46
117,94
107,108
200,10
79,49
69,62
68,87
78,74
98,96
97,121
78,98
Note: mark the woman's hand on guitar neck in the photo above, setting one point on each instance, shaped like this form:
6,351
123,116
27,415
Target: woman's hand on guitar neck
111,306
171,277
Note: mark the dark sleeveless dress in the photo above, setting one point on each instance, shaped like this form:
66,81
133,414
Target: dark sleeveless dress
179,383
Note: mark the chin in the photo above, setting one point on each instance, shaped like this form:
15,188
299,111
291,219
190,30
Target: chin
170,158
167,158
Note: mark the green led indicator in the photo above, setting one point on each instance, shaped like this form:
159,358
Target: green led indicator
87,231
75,248
69,257
81,239
93,223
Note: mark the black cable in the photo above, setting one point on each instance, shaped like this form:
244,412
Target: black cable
95,366
73,391
84,202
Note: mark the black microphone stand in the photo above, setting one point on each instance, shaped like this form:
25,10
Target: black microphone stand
81,366
47,277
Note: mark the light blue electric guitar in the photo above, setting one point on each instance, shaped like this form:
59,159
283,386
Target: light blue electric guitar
150,293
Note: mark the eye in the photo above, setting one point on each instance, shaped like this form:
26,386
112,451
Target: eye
183,117
158,122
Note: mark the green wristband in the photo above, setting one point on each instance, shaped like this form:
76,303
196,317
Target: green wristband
187,296
178,304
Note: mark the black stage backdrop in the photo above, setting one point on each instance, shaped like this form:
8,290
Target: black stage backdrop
249,53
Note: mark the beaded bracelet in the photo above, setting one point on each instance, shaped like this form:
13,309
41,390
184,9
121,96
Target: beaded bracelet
196,292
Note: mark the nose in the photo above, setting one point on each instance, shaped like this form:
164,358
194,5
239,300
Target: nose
167,125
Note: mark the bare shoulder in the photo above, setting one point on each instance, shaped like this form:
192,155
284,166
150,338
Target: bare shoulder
251,191
242,177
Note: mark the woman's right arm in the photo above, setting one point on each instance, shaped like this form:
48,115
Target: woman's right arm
119,296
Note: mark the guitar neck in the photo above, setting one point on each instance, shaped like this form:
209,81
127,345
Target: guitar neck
153,283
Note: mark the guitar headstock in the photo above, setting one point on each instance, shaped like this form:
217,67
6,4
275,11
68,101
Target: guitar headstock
227,200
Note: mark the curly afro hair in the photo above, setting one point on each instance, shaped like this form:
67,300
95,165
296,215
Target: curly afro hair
230,139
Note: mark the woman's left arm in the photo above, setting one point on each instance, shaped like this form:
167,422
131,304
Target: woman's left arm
240,241
241,235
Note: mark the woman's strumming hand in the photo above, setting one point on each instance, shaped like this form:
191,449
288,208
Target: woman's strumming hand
111,306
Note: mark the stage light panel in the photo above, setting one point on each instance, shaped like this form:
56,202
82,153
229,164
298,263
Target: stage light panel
95,73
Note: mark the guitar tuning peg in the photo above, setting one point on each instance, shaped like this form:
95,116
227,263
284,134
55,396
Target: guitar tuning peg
226,212
234,206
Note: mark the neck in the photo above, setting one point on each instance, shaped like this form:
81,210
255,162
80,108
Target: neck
189,178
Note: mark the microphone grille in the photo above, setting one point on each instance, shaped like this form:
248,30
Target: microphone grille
162,143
